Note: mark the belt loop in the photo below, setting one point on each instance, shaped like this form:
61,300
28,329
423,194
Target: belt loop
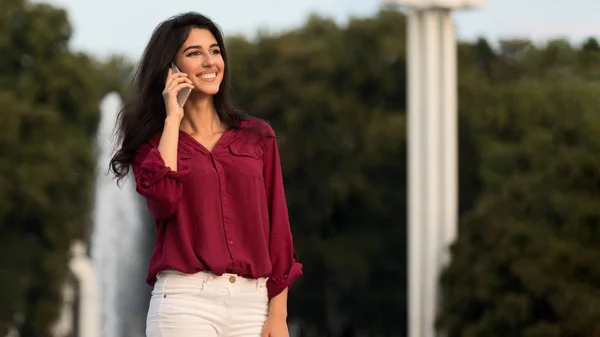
260,284
206,277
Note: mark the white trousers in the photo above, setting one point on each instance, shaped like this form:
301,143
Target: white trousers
206,305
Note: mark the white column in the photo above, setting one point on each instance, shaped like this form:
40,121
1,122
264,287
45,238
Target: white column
432,104
432,209
450,131
415,182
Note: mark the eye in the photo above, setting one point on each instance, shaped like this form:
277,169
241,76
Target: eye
215,51
194,53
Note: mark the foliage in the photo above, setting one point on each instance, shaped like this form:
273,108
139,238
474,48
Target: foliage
49,101
525,263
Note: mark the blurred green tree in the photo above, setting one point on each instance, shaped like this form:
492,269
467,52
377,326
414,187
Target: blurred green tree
49,102
525,263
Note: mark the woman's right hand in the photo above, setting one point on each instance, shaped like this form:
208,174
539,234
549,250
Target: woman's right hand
174,83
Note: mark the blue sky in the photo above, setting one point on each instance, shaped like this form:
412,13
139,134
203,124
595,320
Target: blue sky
124,26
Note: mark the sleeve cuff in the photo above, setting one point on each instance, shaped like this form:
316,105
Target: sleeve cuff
154,169
277,284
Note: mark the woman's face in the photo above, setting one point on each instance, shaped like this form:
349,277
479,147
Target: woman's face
200,57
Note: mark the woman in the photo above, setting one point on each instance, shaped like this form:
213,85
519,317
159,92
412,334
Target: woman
223,259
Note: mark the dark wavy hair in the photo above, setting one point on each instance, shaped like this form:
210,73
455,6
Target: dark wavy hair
144,113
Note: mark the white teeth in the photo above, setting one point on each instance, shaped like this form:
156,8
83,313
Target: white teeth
208,76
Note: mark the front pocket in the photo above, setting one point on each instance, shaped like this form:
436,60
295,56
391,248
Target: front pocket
247,159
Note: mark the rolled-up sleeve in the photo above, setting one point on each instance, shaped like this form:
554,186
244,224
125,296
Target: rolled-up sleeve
286,268
157,183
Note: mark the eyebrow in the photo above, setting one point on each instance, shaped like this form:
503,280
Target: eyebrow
199,47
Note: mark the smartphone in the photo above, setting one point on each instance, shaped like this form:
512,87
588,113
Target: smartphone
184,93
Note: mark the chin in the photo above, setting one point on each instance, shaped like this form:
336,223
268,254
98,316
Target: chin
211,92
207,90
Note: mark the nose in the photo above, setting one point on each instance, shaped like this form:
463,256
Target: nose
207,60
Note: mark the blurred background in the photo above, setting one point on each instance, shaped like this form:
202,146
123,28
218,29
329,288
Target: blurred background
330,76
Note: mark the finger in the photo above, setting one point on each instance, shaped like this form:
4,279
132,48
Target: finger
177,88
176,81
172,77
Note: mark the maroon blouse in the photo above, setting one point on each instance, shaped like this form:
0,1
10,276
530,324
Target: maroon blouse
222,211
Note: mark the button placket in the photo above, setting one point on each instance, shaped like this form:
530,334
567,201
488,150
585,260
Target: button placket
225,207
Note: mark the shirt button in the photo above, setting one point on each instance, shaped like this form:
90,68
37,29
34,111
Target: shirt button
230,243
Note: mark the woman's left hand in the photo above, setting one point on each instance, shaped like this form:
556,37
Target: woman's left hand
275,327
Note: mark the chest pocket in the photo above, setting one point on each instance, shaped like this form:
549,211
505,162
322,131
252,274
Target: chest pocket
247,159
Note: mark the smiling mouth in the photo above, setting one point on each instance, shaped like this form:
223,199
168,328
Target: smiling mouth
209,76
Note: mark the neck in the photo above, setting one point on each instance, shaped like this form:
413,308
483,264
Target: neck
200,116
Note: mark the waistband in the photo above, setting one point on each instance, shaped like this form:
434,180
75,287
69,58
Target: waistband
209,277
